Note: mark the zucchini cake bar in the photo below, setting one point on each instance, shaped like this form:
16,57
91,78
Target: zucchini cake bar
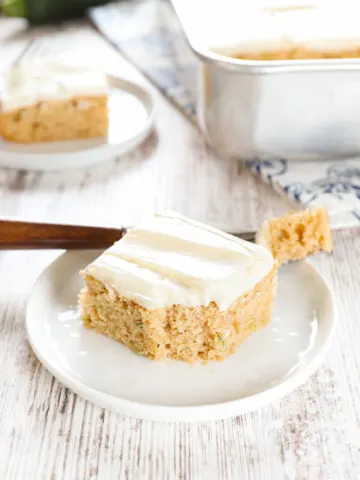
53,99
175,288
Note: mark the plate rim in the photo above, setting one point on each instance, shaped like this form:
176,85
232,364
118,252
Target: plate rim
193,413
18,160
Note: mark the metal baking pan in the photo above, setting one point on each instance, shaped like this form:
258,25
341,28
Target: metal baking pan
296,109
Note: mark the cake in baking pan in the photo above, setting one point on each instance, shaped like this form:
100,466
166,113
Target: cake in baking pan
297,30
175,288
53,99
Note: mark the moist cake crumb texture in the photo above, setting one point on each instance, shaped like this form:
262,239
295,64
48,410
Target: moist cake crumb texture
297,235
173,288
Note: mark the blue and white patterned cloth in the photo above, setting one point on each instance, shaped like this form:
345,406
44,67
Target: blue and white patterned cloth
148,33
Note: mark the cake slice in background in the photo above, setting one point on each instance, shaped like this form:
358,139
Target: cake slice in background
53,99
296,235
175,288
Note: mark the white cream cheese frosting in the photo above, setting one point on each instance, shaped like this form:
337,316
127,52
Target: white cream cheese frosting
50,78
171,259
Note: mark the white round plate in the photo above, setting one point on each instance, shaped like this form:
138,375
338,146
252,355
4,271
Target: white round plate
131,116
270,364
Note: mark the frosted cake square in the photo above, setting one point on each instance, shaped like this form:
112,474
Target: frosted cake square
175,288
53,99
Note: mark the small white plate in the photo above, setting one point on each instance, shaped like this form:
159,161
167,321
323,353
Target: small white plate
270,364
131,117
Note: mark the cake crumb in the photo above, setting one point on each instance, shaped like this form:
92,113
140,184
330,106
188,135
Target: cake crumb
296,235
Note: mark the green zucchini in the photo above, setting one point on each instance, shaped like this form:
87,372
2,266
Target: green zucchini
42,11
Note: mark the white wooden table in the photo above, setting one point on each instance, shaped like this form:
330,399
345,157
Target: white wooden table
47,432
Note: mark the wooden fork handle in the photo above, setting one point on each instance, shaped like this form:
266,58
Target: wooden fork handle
22,235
